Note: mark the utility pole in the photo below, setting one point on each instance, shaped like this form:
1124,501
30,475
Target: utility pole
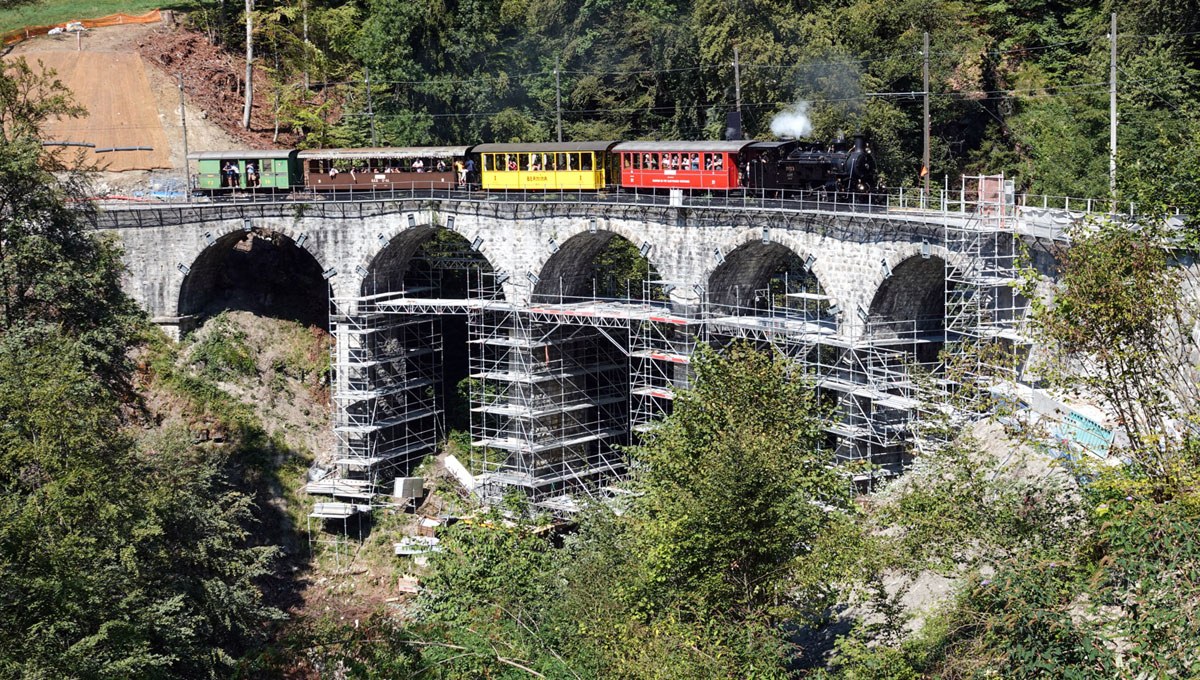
737,80
370,105
1112,111
558,99
925,170
183,120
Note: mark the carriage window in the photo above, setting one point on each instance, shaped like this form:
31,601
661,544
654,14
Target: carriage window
487,162
585,161
625,162
522,162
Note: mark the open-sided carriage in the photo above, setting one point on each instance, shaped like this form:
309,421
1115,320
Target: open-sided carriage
392,168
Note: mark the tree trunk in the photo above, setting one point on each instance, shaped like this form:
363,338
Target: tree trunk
249,64
278,100
307,45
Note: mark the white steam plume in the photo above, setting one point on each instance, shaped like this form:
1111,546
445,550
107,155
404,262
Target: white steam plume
793,121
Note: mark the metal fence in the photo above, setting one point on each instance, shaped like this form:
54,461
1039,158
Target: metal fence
154,208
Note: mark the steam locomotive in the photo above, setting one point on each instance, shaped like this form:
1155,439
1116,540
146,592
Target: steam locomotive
777,169
794,166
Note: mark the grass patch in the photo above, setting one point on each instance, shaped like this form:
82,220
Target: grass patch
49,12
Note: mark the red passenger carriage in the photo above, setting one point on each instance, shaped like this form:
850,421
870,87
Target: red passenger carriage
713,165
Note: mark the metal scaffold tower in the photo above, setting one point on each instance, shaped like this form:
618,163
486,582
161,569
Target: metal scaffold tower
662,341
549,398
387,410
983,305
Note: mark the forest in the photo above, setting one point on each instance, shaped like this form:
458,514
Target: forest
1017,86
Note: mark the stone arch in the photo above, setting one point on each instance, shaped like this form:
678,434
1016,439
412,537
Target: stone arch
752,265
569,270
910,302
802,245
914,289
259,270
387,265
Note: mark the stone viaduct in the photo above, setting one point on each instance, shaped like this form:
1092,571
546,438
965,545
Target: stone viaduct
172,252
552,417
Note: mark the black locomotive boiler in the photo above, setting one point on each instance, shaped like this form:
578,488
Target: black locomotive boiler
797,167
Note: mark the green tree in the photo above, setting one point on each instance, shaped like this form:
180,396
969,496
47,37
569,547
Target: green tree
53,274
735,487
114,562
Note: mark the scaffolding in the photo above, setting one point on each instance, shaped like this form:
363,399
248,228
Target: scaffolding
662,340
387,404
559,385
984,308
549,399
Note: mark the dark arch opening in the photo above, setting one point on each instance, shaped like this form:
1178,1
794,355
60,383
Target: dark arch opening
433,262
596,264
757,277
913,301
259,271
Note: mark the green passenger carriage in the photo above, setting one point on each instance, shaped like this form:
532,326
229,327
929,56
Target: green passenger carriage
274,169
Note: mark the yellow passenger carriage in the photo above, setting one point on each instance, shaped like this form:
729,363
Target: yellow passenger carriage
550,166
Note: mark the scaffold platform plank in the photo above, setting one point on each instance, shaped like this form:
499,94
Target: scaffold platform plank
372,461
399,419
542,376
364,395
515,444
658,392
540,412
662,356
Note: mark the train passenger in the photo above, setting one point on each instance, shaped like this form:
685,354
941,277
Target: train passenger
333,171
468,170
251,175
441,166
418,165
695,161
462,171
231,174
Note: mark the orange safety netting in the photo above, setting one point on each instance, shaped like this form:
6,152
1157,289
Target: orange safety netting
110,20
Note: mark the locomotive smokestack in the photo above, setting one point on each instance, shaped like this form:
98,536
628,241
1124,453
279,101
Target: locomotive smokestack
733,125
860,142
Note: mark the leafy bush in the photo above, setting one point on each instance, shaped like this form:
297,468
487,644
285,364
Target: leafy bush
223,352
